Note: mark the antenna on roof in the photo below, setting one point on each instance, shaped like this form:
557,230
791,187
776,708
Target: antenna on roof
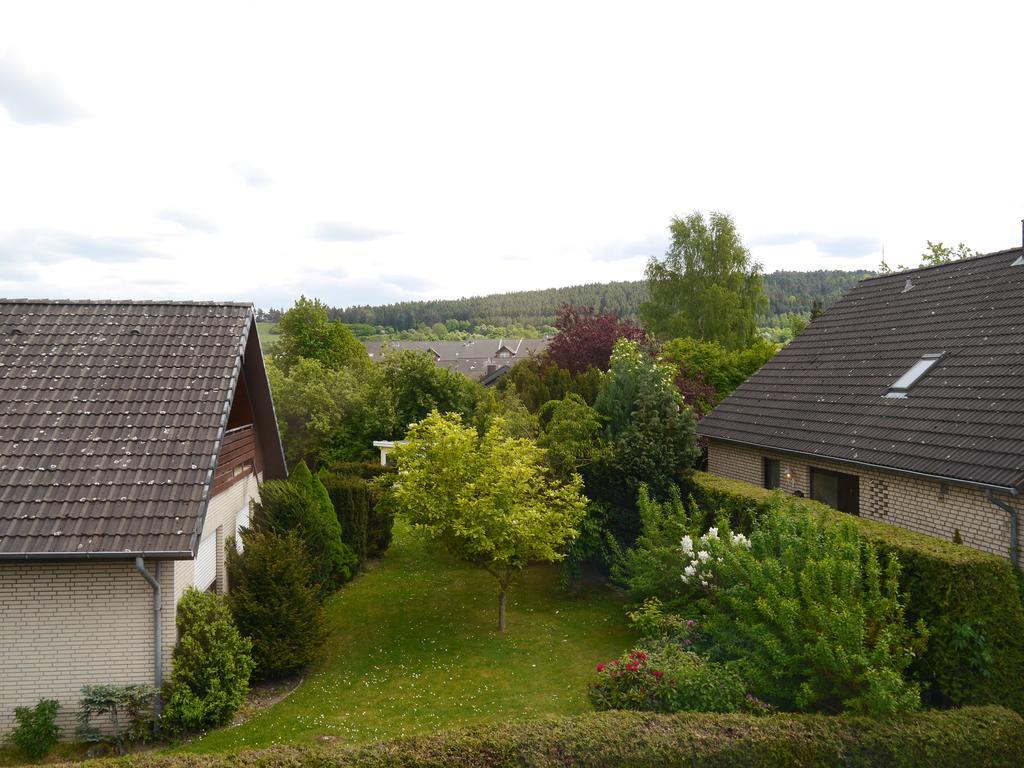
1020,259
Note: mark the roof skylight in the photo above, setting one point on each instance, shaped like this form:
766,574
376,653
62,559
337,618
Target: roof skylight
912,376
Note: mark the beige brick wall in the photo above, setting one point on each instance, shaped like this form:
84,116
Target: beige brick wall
219,514
65,625
926,506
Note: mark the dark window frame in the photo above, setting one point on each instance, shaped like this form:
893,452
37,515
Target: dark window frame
771,473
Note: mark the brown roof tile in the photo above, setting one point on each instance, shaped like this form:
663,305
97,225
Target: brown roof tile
110,419
824,394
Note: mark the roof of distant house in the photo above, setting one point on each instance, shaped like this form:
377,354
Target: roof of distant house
474,358
112,416
920,372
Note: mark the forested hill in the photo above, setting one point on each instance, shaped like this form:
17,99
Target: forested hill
787,292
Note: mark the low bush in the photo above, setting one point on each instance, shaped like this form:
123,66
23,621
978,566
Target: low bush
274,602
666,678
115,716
37,731
980,737
948,586
212,664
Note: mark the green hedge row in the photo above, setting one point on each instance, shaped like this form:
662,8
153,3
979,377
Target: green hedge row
970,600
365,528
980,737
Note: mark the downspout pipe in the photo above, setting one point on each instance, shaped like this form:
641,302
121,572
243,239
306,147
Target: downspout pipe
158,671
1014,526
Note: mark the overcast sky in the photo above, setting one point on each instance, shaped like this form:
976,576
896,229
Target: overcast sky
373,152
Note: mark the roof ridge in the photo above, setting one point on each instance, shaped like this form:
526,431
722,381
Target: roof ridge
130,302
979,257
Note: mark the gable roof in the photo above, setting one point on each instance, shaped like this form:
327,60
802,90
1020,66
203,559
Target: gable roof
824,395
112,416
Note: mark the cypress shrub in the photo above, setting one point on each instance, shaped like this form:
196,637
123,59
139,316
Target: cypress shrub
350,490
352,500
302,504
969,600
275,602
212,664
980,737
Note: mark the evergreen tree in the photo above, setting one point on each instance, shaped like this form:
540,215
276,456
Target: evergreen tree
275,601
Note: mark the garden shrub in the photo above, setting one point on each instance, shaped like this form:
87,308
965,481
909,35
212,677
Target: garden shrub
212,664
946,585
302,504
666,678
380,521
811,616
351,497
274,602
125,714
979,737
37,731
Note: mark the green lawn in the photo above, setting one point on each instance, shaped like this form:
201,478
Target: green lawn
268,334
413,647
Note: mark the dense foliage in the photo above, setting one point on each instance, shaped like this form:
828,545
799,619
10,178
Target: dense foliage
980,737
418,386
275,601
649,430
721,368
950,587
489,500
301,504
812,617
585,339
666,678
306,332
537,380
36,732
212,664
706,287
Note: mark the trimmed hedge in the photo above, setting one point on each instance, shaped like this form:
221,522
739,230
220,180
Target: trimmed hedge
980,737
365,527
950,586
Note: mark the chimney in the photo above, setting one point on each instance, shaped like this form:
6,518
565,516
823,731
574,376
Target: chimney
491,368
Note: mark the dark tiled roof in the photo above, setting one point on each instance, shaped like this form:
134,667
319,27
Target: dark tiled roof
111,416
824,394
470,358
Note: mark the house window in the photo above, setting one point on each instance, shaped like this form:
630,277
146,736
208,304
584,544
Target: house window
836,489
770,473
916,372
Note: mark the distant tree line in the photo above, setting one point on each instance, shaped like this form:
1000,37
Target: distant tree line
532,313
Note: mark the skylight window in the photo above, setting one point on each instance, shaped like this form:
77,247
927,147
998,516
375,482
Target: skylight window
916,372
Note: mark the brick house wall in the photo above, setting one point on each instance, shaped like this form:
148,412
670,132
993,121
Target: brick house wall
926,506
68,624
65,625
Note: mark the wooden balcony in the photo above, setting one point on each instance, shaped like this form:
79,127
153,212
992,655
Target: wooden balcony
239,458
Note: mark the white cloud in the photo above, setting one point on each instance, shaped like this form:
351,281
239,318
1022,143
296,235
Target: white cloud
34,99
376,152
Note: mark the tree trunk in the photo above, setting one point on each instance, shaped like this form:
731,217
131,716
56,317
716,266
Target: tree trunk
501,611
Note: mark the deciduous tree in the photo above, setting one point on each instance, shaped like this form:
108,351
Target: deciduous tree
306,332
707,286
490,501
585,338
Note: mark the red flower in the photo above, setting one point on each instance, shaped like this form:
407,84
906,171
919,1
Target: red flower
657,673
600,667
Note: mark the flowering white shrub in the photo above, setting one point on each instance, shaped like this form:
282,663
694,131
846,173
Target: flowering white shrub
702,555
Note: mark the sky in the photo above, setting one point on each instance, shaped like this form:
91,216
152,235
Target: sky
366,153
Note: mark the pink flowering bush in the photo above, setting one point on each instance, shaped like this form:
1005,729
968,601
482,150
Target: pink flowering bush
666,678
